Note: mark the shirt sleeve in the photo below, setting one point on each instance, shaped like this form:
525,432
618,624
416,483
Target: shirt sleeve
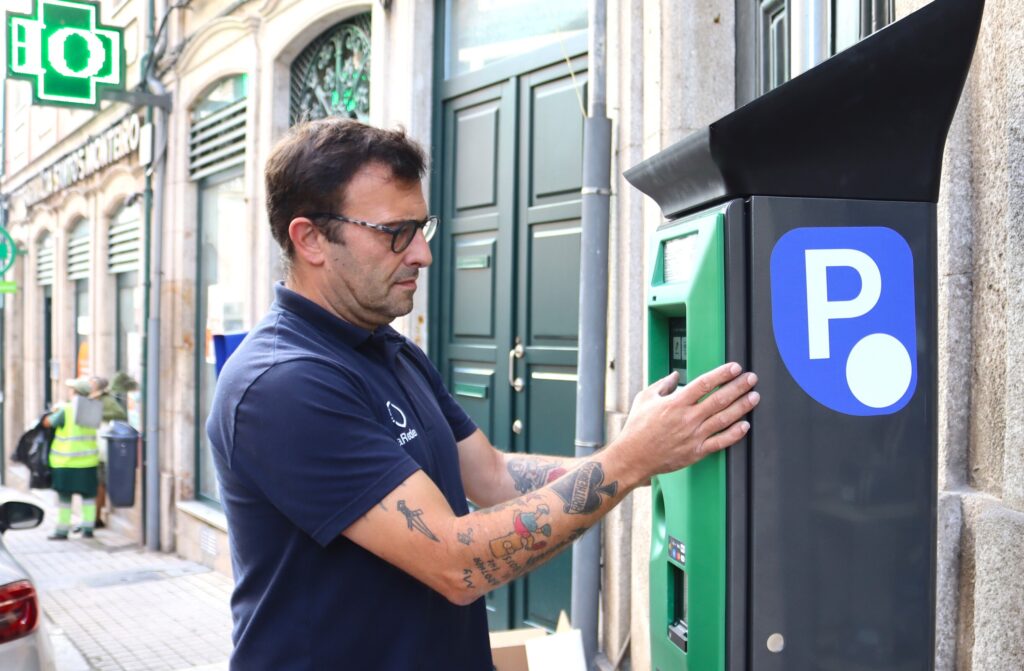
306,438
56,418
461,424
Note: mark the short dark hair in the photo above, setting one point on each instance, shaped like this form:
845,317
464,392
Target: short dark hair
309,169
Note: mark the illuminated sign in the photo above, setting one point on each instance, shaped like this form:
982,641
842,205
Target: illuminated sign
65,51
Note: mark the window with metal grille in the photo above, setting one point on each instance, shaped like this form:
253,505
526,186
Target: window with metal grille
772,44
124,240
217,134
853,20
44,261
331,77
765,43
78,251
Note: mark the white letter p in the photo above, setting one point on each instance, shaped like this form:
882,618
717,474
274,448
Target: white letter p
820,310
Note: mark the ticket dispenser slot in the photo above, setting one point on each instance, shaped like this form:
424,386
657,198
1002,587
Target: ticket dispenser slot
678,629
686,328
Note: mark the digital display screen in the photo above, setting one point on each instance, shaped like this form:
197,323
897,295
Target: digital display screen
679,258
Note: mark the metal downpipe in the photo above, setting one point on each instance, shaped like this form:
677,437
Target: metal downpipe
590,387
155,190
153,322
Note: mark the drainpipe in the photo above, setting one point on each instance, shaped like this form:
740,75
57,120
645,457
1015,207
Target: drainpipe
154,195
153,322
597,136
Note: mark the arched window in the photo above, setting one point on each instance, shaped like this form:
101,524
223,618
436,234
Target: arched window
217,158
78,273
331,77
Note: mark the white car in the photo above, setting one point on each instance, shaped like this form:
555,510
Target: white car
24,642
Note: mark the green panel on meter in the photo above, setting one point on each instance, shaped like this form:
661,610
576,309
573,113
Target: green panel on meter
686,332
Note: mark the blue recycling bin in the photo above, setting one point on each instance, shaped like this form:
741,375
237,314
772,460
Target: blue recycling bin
122,450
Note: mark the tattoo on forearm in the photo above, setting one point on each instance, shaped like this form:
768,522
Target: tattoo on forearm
467,577
531,474
581,489
514,566
554,549
487,570
466,538
412,518
526,526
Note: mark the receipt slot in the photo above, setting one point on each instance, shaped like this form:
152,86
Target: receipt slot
801,241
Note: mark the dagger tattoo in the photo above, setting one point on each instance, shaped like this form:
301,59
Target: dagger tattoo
412,517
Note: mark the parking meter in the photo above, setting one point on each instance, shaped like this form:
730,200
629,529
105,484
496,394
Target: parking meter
800,240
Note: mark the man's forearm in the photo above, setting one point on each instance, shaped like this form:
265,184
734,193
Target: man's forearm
501,543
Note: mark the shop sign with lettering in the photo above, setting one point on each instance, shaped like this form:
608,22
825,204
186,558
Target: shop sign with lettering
110,146
66,52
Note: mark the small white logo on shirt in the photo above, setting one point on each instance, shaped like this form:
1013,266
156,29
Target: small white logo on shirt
395,413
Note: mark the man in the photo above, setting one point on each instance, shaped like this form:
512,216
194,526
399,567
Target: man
344,464
74,459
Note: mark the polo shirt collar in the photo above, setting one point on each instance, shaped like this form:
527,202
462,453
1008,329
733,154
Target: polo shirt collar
384,339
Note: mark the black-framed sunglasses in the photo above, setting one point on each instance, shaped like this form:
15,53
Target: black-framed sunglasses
401,232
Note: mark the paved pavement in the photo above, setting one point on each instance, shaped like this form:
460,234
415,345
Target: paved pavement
114,606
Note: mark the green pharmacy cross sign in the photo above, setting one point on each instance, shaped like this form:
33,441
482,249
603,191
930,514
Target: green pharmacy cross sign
8,251
65,51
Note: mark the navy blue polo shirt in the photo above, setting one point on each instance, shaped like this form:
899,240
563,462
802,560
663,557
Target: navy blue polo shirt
313,422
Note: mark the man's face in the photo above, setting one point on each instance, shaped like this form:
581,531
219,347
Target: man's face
367,284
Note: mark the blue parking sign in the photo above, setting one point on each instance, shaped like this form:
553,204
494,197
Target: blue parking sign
843,316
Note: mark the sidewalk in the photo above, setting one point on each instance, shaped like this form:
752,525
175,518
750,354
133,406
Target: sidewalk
114,606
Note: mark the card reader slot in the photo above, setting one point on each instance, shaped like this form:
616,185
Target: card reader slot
677,346
678,629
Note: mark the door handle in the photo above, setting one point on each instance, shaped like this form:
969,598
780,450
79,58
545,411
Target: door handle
516,352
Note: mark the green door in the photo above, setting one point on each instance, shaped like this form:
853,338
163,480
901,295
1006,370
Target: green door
510,173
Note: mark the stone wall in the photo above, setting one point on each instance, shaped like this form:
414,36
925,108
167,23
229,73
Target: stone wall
980,609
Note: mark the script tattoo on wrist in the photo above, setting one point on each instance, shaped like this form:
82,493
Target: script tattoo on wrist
487,569
412,518
467,577
531,474
581,489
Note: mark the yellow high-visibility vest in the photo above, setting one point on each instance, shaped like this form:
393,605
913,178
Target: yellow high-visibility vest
73,446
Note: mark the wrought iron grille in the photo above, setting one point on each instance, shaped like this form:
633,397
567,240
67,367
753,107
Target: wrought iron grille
331,77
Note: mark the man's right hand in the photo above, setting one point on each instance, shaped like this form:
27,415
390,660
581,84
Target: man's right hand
671,427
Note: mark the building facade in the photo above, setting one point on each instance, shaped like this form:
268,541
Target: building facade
497,89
